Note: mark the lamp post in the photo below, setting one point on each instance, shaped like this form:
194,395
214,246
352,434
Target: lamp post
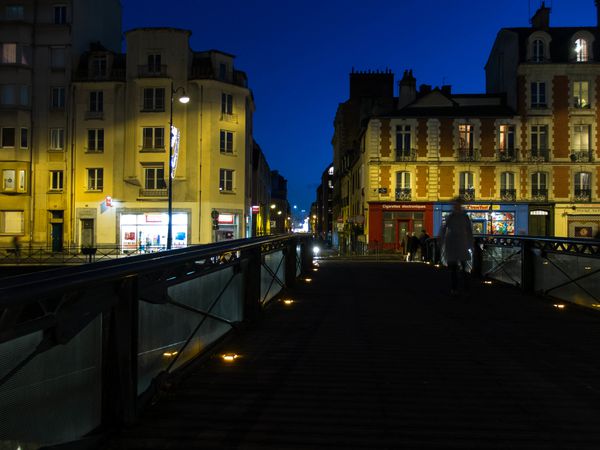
183,99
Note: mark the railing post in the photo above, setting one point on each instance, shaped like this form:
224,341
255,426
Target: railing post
252,268
290,263
306,253
120,346
527,266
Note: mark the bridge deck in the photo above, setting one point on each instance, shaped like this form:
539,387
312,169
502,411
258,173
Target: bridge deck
377,355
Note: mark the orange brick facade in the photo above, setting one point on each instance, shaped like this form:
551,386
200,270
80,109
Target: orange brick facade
488,182
446,138
422,138
560,95
422,181
487,138
446,189
561,182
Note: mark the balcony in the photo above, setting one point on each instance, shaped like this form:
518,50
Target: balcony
409,154
581,156
152,71
583,195
508,195
94,115
539,194
538,155
468,154
506,154
154,193
231,118
403,194
467,195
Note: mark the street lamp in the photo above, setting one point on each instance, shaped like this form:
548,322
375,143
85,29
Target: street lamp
183,99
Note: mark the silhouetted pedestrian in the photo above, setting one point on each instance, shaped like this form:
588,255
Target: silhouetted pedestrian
457,243
413,246
423,237
16,245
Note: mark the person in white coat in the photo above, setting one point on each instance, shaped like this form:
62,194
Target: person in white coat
456,237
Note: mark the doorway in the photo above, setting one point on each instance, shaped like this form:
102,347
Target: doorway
402,230
87,232
57,237
539,223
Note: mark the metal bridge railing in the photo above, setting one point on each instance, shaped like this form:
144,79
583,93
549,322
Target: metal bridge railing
84,348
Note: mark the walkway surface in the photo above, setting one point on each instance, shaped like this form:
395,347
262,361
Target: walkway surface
377,355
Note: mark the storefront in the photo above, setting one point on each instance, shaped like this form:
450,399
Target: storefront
147,231
577,220
229,226
541,220
389,223
509,219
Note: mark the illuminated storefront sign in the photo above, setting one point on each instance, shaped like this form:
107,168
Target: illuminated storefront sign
147,232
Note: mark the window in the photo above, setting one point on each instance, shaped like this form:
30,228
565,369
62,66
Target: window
403,141
98,66
8,137
60,14
154,177
539,140
226,103
57,100
24,95
466,180
11,222
581,137
26,55
21,180
581,50
96,101
95,140
153,138
225,180
581,96
95,179
56,180
57,138
57,58
24,138
507,180
154,99
539,186
583,181
506,142
538,50
465,137
14,12
222,71
538,94
8,94
226,145
403,186
154,63
9,53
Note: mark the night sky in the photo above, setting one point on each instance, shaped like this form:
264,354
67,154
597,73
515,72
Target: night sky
298,56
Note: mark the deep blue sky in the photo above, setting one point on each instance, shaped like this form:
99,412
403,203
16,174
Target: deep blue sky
298,55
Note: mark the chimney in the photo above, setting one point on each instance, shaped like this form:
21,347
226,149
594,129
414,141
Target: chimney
425,89
446,90
408,89
541,18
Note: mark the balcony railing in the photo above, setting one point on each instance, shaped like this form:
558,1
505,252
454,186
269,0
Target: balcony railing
506,154
154,193
94,115
403,193
152,71
581,156
409,154
468,154
233,118
539,194
508,195
467,195
538,155
583,195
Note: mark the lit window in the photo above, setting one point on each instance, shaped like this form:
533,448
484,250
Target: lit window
225,180
226,142
56,180
403,180
57,138
506,141
154,177
95,179
581,98
9,53
581,50
583,181
7,137
153,138
154,99
465,137
226,103
538,94
95,140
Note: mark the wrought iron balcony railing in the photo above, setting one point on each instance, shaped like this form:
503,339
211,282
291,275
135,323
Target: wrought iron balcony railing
152,71
508,195
539,194
506,154
583,195
409,154
581,156
403,193
538,155
468,154
93,115
467,195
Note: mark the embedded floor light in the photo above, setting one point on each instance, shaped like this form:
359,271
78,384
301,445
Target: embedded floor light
559,305
288,301
169,354
229,357
308,280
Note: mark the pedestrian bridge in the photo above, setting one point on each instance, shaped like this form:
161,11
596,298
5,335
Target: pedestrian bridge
252,345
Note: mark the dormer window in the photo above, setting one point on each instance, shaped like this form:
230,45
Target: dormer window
581,50
538,51
154,63
98,66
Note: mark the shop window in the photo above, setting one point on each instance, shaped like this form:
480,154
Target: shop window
154,177
57,138
581,50
95,140
226,103
95,179
538,94
11,222
153,138
57,98
56,180
226,142
154,99
7,137
225,180
581,95
583,186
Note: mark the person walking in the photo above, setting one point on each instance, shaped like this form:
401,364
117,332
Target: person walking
16,246
413,246
456,237
423,244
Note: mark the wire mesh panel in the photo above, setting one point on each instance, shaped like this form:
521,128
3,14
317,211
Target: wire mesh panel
170,335
568,277
272,275
55,397
502,264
